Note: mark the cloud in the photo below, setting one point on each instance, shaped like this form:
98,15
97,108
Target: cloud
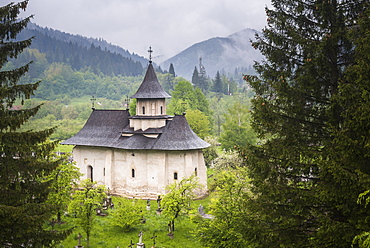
169,26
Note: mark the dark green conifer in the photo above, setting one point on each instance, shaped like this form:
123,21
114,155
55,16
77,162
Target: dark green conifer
195,80
171,70
25,157
217,85
310,115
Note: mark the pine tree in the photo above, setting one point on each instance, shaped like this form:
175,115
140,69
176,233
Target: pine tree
25,159
312,165
171,70
195,78
217,85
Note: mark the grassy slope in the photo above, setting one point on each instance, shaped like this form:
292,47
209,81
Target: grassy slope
106,235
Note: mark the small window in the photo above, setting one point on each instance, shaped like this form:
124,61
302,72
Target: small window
132,173
161,110
90,172
103,171
196,172
143,110
175,175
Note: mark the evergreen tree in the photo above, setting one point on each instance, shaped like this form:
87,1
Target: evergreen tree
171,70
203,78
195,78
217,84
25,159
313,164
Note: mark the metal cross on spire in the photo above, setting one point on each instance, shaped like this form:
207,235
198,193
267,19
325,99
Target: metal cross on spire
150,54
93,99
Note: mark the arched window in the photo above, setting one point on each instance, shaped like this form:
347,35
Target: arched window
143,110
175,175
132,173
161,110
196,171
90,173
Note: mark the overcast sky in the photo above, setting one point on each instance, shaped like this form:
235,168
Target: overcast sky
169,26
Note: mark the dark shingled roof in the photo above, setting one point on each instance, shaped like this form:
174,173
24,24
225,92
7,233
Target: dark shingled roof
103,128
179,136
150,87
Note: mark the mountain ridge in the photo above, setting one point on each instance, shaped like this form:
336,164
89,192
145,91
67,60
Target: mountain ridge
86,42
235,50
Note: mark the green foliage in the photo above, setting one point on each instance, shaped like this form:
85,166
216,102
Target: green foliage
84,203
177,201
229,227
26,158
82,54
210,153
314,159
171,70
198,122
64,178
107,236
186,99
228,160
127,213
217,84
237,130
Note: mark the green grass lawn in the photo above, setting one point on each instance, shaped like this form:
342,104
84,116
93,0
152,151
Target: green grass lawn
106,235
64,148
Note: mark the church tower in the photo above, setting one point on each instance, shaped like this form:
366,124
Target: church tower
151,103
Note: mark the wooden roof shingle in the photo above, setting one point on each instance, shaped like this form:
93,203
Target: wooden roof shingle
104,128
150,88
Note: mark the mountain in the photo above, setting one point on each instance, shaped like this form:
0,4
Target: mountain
85,42
224,54
83,53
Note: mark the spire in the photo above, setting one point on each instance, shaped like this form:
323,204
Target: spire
150,87
150,54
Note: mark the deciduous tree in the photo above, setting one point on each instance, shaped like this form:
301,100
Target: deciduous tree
64,179
83,207
237,130
178,199
126,214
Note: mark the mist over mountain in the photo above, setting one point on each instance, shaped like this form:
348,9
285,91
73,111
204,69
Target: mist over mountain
85,42
231,55
223,54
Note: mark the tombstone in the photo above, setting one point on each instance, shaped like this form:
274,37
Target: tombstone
140,244
148,204
153,237
105,204
159,210
79,241
99,212
203,214
131,244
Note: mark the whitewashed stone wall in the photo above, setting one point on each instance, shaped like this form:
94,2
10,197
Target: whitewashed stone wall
139,173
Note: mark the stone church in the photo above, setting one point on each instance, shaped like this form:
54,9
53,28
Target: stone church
138,156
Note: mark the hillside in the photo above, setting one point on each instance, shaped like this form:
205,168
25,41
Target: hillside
81,52
223,54
86,42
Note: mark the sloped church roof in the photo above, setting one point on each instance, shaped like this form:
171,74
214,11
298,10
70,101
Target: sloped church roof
150,87
104,128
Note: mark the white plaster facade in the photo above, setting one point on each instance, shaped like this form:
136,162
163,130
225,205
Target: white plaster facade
139,173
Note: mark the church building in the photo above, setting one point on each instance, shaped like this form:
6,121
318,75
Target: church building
138,156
